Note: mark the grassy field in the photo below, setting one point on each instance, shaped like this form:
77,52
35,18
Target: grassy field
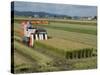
73,28
69,47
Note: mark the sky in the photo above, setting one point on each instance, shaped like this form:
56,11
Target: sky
62,9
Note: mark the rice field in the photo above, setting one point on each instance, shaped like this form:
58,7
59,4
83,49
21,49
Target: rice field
69,47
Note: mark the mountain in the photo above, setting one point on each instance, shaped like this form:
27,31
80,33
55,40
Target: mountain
39,14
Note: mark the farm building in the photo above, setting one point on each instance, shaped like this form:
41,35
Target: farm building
32,33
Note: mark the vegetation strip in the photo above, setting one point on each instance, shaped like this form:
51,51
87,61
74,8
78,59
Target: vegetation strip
32,54
79,53
93,32
61,21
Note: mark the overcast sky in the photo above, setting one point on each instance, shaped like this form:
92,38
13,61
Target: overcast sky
64,9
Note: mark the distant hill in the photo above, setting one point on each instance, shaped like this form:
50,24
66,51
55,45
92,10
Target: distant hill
38,14
31,13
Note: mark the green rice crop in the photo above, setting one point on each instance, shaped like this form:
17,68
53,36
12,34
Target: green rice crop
72,29
32,54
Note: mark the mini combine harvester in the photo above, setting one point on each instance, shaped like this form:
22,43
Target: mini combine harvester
33,33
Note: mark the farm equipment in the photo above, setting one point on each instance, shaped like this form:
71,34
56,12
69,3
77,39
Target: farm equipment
33,33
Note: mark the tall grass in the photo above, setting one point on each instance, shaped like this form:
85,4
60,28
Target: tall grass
44,62
69,54
75,22
86,31
86,39
32,54
51,48
81,53
65,44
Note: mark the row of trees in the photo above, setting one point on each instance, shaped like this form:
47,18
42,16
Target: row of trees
65,17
